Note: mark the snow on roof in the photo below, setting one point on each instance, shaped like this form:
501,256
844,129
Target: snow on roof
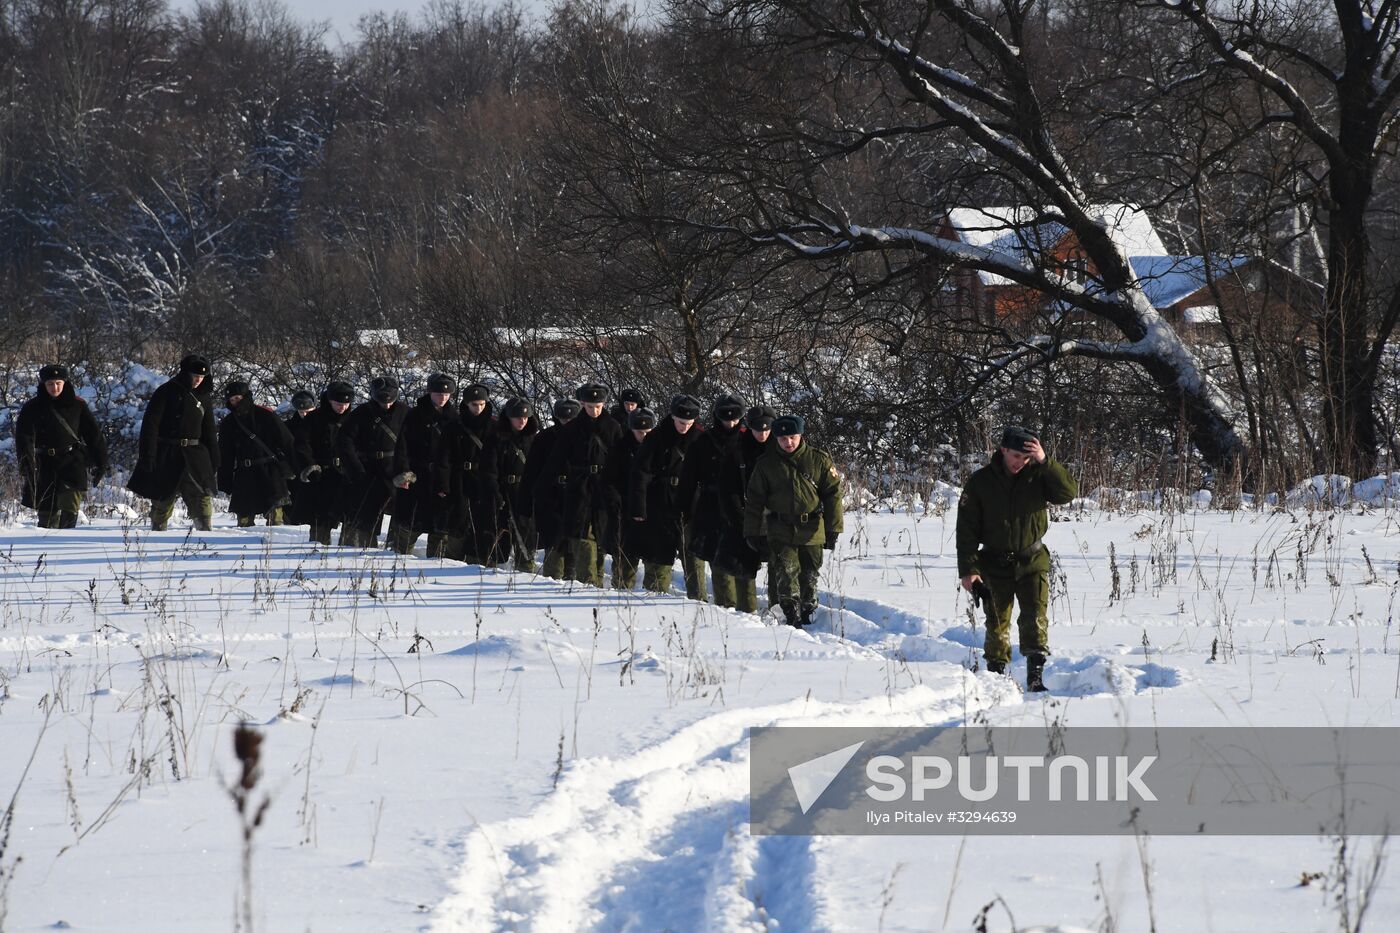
378,337
513,336
1021,230
1168,279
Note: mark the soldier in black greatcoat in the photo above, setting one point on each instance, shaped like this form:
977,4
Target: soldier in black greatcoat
60,450
654,499
624,535
540,492
179,447
478,523
255,457
511,441
577,461
299,511
699,492
734,555
628,401
426,474
323,479
367,442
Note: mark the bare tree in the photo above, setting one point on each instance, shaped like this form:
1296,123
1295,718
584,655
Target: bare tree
1329,74
958,86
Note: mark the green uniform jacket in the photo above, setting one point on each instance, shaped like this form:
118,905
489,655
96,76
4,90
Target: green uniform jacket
786,487
1003,513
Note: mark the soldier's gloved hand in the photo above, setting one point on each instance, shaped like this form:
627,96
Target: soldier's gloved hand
310,472
830,543
404,479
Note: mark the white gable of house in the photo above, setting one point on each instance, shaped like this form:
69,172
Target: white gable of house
1013,230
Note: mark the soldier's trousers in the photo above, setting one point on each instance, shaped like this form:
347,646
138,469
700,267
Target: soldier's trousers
1027,582
271,517
198,503
795,569
558,562
745,593
65,511
587,560
320,530
624,572
440,544
657,577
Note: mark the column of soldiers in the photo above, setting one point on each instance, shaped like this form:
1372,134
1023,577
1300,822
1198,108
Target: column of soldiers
490,488
624,483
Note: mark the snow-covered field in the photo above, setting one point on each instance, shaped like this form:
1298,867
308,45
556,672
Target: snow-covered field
448,747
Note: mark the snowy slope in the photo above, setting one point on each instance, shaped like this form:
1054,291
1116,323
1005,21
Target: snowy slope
452,748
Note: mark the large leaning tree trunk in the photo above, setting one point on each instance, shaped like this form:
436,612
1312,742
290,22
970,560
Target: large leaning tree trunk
958,81
1331,77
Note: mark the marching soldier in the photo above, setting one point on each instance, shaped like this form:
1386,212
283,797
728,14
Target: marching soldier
255,457
367,443
428,500
179,447
510,445
796,490
60,450
299,511
1002,519
540,492
577,460
654,500
478,474
699,492
322,477
628,401
624,537
734,555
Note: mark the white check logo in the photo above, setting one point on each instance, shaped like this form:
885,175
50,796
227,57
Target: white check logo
811,778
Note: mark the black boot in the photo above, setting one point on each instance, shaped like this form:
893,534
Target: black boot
995,667
807,613
203,523
68,519
1035,668
790,615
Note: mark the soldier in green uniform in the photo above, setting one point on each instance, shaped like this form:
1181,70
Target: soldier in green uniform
1002,518
796,491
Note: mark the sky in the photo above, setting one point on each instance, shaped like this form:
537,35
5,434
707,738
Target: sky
343,14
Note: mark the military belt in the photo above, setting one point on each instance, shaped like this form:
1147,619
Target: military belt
512,479
382,454
562,480
1007,558
55,451
258,462
801,518
675,481
181,441
469,466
